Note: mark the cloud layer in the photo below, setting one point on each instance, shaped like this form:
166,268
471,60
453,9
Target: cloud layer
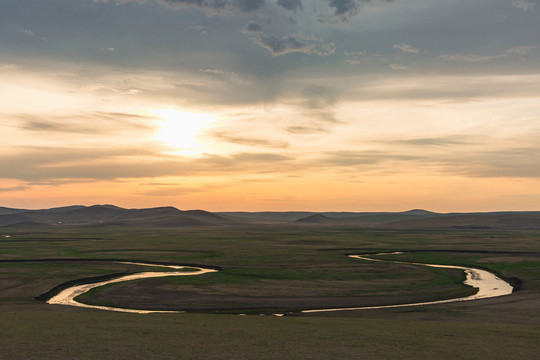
353,99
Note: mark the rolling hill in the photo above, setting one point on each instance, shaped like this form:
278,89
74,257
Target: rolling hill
110,215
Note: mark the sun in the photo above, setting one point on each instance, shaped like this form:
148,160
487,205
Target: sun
182,130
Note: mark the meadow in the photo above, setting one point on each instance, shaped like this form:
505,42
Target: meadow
267,269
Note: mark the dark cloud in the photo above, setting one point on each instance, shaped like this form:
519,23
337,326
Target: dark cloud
253,28
119,1
203,4
218,6
280,46
344,7
290,4
294,43
249,5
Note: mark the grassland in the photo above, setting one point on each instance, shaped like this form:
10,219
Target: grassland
291,266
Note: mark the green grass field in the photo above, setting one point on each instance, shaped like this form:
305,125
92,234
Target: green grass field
262,266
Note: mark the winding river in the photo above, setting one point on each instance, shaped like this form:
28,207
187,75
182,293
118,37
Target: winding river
487,283
67,296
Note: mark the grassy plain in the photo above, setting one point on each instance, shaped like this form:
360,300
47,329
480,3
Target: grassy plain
262,266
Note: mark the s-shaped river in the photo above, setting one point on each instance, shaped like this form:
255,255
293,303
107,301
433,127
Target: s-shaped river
487,283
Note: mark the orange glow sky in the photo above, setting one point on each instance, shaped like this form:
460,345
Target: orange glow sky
271,105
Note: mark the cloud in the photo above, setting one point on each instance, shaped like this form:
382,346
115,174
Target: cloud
344,7
280,46
521,162
406,48
252,28
397,67
298,42
171,191
434,141
450,88
51,165
120,1
305,130
249,5
218,6
26,32
353,57
221,75
521,50
357,158
523,5
250,141
91,123
470,58
319,107
474,58
290,4
14,188
320,98
4,66
343,10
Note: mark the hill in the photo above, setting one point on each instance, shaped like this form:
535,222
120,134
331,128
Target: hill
316,219
104,215
110,215
496,220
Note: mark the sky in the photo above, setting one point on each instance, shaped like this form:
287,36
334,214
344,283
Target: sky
253,105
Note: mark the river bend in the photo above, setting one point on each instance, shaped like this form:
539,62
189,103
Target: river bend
487,283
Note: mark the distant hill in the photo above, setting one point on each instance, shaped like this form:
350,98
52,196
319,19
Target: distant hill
337,217
316,219
267,216
9,211
99,215
411,219
110,215
498,220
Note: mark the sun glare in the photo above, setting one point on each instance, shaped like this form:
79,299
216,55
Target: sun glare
182,130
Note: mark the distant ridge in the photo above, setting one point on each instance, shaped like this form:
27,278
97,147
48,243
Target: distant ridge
9,211
168,216
419,212
102,215
410,219
315,219
499,220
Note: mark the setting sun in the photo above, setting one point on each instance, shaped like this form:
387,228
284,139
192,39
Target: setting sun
181,130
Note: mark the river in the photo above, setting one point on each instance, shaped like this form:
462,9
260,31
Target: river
67,296
487,283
